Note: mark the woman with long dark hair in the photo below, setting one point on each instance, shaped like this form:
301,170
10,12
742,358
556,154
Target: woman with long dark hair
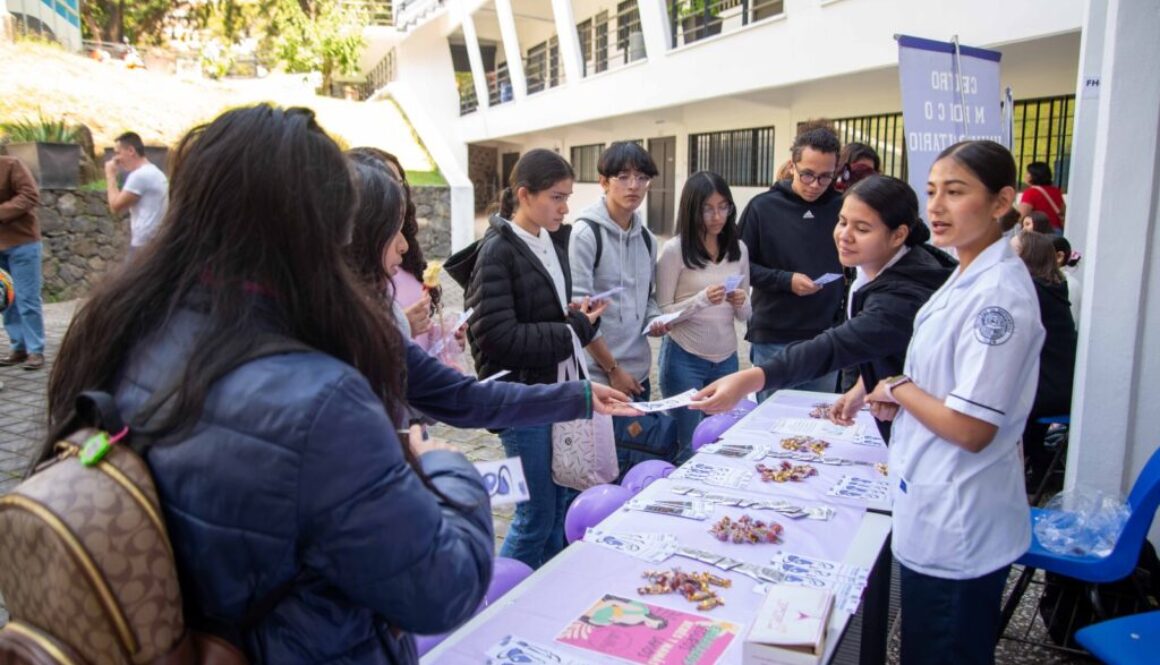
282,481
701,346
520,285
880,233
376,254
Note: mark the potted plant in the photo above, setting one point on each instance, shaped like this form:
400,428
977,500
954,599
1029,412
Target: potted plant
48,148
699,18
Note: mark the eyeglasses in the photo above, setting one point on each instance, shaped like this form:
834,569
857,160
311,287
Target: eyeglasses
628,179
809,177
708,212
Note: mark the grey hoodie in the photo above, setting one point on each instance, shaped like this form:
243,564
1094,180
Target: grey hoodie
625,261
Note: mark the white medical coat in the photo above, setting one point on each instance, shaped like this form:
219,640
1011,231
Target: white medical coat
976,343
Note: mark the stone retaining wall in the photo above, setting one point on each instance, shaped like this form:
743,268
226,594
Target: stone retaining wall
83,240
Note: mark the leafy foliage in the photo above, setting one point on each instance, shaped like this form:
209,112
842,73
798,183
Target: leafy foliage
318,35
139,21
39,130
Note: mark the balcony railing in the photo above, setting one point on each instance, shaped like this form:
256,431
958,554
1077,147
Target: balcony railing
608,41
499,85
377,12
384,72
410,13
693,20
468,101
542,66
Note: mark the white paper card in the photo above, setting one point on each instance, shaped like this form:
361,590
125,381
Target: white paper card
674,402
827,278
653,547
515,650
606,294
504,480
732,282
664,319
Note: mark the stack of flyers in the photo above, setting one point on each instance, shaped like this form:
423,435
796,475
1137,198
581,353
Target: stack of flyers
745,451
759,573
852,487
694,510
513,650
845,581
654,547
721,476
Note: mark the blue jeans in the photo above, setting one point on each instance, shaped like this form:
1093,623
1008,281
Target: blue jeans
941,617
536,533
24,320
680,371
760,354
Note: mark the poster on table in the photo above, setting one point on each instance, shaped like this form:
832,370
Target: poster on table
947,97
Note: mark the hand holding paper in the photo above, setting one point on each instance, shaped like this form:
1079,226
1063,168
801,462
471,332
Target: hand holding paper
827,278
732,282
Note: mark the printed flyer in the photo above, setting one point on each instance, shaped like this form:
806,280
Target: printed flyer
638,632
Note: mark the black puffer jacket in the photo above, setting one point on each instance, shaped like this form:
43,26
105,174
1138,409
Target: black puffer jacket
877,334
1057,359
518,323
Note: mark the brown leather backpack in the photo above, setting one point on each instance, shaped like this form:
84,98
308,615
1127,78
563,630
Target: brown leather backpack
86,566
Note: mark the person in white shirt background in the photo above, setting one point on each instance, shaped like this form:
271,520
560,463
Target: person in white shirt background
960,511
692,272
146,191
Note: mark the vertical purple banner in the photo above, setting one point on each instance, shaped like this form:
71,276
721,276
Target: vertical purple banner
946,98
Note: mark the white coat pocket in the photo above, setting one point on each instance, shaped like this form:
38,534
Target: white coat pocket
928,532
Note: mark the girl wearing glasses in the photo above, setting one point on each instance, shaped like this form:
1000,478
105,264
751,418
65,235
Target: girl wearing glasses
703,272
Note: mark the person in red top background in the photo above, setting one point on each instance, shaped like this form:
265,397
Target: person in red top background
1042,195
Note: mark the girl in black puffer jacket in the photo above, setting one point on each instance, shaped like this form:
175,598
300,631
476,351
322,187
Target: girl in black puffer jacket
520,287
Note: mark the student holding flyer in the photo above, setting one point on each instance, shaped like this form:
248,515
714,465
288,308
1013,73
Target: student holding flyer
702,273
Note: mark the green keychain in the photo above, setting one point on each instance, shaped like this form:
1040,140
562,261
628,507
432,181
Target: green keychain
95,448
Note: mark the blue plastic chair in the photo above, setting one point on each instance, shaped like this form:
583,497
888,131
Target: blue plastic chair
1130,640
1142,503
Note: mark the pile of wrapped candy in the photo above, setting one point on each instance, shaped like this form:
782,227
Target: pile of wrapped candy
745,529
786,472
695,587
804,444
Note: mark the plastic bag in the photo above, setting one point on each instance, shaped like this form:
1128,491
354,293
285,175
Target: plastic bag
1082,522
442,343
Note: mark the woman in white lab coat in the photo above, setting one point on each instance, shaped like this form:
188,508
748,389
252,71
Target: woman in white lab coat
960,512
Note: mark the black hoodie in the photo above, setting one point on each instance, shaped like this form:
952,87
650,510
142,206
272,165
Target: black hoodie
787,234
1057,359
876,335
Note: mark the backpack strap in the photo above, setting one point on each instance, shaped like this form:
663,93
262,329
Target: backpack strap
1050,202
598,232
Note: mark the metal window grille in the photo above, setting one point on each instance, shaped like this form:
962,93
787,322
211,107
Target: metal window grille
1043,133
883,132
744,157
691,20
584,161
542,65
601,43
627,23
584,33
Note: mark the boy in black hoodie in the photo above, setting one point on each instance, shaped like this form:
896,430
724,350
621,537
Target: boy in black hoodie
789,231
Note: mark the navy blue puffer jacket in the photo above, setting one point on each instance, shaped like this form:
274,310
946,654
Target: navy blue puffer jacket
294,473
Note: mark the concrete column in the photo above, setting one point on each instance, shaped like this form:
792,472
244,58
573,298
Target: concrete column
1083,143
511,48
654,23
570,54
1115,422
478,75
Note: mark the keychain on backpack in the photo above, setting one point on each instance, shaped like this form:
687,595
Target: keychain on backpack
97,446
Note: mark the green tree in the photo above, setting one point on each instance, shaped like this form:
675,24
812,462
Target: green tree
317,35
141,21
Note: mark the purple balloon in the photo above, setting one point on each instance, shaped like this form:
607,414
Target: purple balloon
711,428
643,474
508,573
592,506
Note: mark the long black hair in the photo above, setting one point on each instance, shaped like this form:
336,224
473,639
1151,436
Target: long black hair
536,171
691,221
260,200
896,205
377,219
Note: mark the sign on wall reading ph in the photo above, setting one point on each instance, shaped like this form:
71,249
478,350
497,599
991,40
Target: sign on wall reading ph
946,98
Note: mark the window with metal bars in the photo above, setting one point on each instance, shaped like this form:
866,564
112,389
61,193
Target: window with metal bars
1043,132
601,43
584,34
883,132
584,161
744,157
627,23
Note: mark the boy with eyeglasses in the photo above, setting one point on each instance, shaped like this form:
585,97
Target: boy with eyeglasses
789,231
611,248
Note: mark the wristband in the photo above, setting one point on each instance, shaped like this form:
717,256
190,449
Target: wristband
893,382
612,369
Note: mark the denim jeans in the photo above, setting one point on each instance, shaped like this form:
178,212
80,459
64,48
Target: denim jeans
941,617
24,320
680,371
536,533
760,354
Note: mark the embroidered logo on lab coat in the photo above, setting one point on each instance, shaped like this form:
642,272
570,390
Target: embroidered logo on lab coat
994,326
